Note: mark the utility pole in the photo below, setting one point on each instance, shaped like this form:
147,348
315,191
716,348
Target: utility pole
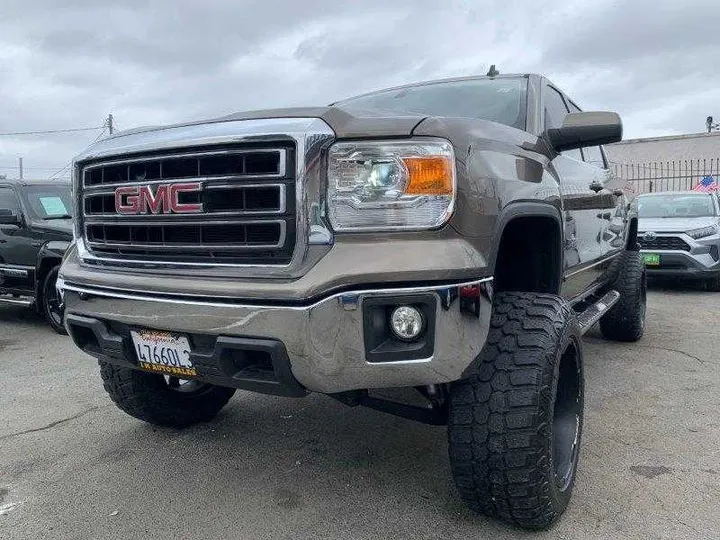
20,167
110,123
710,125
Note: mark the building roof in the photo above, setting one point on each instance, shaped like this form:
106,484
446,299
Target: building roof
693,146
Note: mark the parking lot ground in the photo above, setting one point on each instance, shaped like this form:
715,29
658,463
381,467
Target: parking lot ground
74,466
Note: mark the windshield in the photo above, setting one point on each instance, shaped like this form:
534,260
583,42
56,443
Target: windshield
675,206
47,201
497,100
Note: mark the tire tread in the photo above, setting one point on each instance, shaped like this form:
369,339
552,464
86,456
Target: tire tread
625,321
499,432
146,397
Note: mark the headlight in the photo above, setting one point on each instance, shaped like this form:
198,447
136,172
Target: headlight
703,232
390,185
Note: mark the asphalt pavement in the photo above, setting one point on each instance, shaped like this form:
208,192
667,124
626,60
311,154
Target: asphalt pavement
72,466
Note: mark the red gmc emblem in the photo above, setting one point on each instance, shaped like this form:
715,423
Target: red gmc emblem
165,200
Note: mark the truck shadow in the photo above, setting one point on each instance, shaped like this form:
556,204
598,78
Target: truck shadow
21,316
306,457
660,284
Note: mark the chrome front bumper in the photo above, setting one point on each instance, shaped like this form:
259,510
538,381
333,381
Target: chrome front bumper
324,341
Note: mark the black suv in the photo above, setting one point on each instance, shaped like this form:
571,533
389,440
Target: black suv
35,231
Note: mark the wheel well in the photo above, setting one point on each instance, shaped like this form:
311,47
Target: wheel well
529,257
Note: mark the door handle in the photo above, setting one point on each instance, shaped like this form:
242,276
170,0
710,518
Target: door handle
596,187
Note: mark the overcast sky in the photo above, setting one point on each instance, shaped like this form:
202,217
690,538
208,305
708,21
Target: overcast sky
68,63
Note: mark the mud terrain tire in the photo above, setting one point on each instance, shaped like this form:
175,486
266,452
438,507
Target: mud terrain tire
625,321
515,422
156,399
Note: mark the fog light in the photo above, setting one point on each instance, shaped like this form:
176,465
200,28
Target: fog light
406,322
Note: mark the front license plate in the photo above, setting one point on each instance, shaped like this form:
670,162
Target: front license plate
163,352
651,259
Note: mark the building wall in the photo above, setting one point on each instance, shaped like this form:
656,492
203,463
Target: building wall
678,147
677,162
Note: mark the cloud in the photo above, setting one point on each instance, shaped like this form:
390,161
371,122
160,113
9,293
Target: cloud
69,63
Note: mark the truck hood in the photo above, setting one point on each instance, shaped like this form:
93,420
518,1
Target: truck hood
344,123
675,224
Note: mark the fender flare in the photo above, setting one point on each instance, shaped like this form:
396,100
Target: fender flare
53,250
522,209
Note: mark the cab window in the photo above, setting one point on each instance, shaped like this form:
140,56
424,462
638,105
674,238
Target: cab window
593,154
555,109
9,200
555,112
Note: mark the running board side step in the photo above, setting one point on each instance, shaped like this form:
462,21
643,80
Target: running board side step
594,311
25,301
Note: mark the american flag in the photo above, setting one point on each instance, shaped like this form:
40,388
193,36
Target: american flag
706,185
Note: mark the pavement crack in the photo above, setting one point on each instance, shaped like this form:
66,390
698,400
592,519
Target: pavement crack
53,424
679,351
659,347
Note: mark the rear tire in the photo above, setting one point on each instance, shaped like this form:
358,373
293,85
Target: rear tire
51,306
514,425
625,321
158,400
713,284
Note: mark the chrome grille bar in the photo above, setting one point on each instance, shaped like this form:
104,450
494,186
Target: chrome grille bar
279,208
281,170
247,198
159,246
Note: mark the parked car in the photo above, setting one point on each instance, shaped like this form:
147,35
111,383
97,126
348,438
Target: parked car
456,237
679,235
35,231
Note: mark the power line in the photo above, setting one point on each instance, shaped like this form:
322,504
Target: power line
50,131
14,167
66,167
55,174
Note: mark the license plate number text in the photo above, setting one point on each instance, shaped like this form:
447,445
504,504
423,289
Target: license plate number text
163,352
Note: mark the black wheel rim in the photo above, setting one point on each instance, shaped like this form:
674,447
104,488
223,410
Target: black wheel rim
52,304
567,418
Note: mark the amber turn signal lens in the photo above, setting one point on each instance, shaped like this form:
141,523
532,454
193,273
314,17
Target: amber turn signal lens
431,175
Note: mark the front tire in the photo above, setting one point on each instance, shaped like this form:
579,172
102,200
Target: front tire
625,321
160,400
514,425
51,305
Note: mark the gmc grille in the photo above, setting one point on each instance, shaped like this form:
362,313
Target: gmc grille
671,243
247,198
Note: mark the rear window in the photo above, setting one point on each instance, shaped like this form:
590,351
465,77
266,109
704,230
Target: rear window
675,206
497,100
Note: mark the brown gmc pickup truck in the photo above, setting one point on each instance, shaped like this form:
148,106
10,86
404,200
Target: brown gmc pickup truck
448,242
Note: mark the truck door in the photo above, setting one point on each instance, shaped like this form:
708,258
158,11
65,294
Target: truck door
581,186
17,255
613,213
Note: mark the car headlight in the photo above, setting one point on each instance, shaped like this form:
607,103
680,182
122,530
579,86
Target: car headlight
703,232
390,185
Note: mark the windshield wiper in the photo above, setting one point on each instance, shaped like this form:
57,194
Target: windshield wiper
59,216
